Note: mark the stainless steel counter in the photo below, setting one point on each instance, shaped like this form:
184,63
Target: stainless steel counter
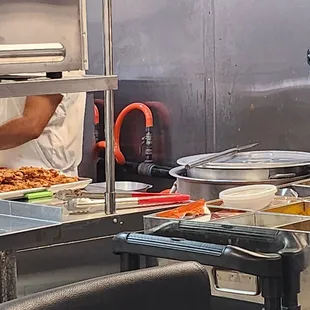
82,251
23,225
96,223
43,239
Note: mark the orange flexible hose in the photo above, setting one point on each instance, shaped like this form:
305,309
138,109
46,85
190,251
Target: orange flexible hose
120,158
96,115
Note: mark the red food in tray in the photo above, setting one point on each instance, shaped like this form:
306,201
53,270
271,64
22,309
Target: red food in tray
191,210
225,213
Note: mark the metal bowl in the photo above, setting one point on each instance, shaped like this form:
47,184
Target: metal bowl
125,186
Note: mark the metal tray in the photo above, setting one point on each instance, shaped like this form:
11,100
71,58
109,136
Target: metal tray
154,222
81,184
302,226
268,220
300,208
279,201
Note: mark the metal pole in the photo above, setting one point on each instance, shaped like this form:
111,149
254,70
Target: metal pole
8,276
110,207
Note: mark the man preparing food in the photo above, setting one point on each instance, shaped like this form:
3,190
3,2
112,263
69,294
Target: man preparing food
42,131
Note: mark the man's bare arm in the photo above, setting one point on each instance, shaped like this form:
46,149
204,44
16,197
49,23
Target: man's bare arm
37,113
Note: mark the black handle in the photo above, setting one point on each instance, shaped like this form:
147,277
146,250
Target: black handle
200,232
251,238
221,256
292,246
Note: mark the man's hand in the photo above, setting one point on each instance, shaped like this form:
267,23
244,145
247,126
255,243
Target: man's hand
37,113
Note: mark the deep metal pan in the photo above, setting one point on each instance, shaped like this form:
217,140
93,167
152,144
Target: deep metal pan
210,189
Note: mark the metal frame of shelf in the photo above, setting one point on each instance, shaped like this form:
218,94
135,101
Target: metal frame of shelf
107,83
109,110
45,86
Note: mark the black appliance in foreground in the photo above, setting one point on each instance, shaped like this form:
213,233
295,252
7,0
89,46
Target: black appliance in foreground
182,286
277,258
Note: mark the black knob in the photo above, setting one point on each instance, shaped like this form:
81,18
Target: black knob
308,57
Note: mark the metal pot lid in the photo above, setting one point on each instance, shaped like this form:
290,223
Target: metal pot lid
254,160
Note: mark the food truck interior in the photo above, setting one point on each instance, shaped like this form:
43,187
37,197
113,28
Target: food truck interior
169,84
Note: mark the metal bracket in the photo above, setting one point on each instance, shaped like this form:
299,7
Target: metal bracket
230,290
174,188
143,141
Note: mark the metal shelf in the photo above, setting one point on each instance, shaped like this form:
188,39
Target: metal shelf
45,86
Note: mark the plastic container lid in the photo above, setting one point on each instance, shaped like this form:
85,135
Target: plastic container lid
253,197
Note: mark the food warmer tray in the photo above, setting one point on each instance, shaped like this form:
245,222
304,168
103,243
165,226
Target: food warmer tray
253,231
293,249
81,184
267,268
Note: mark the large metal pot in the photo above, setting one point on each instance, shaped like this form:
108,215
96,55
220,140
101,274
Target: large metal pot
210,189
253,166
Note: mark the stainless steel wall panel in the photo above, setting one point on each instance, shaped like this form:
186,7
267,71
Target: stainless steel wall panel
228,71
262,86
162,46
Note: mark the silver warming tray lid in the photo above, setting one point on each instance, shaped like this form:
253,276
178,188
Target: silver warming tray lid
254,160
